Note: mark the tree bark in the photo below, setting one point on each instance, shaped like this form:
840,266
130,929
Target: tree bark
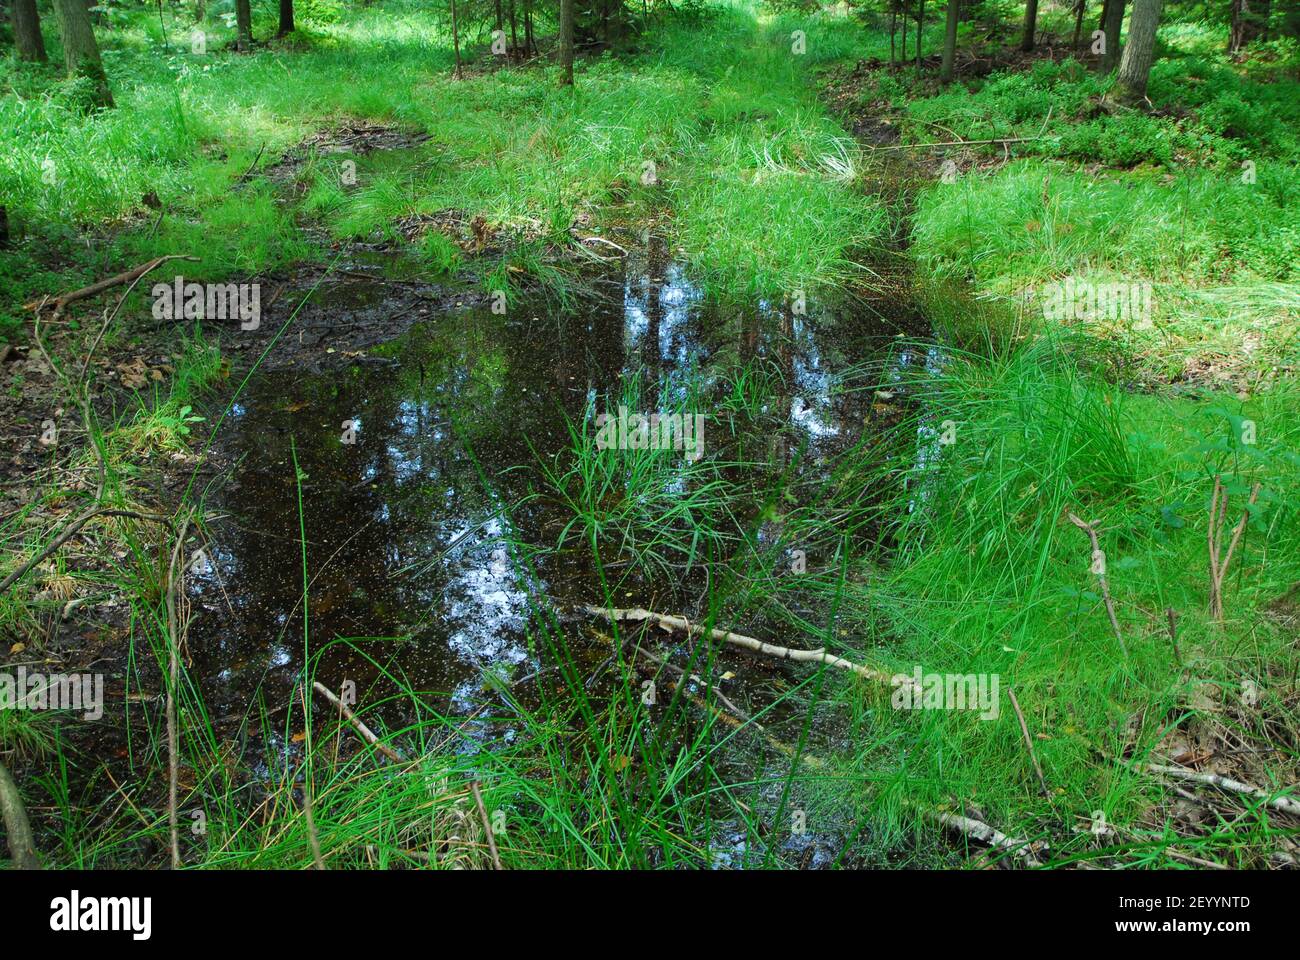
1112,27
902,56
950,41
1139,52
27,31
22,848
286,18
566,42
1031,25
80,51
243,25
1249,21
920,25
200,11
1078,24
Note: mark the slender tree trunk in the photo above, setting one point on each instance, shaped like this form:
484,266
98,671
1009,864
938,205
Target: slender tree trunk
1079,10
455,37
514,31
1114,25
566,42
80,51
1105,9
243,25
950,41
1031,25
200,11
893,31
902,57
530,45
920,25
497,11
1139,52
26,23
286,18
1249,21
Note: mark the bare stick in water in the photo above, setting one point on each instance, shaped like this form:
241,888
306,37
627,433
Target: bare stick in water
749,643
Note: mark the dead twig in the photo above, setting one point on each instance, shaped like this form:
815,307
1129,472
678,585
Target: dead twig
366,733
487,826
1099,565
71,530
127,276
1285,804
749,643
1029,743
981,831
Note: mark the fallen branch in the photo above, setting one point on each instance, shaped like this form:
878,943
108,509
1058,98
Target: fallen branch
108,283
70,531
969,143
1285,804
487,826
22,848
366,733
1091,531
1029,743
749,643
964,825
955,143
981,831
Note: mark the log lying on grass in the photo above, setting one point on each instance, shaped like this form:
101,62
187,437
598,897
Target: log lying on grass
749,643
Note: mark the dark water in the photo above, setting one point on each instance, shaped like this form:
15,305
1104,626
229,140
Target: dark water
406,526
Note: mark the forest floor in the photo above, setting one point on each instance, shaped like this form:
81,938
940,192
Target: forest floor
750,178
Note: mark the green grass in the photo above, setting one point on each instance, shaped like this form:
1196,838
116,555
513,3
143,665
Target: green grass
1198,197
753,177
989,578
954,557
